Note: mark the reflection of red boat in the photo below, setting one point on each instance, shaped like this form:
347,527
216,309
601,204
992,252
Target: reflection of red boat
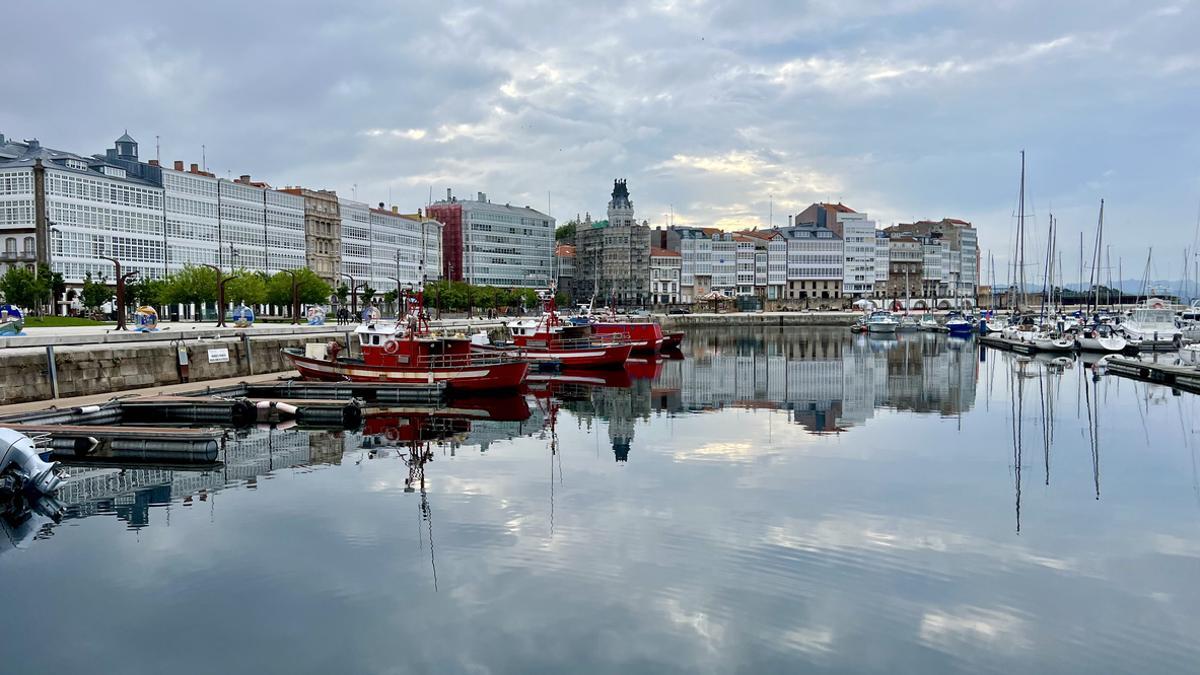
646,368
410,423
672,340
576,384
406,352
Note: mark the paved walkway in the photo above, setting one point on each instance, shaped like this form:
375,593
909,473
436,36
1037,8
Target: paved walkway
96,399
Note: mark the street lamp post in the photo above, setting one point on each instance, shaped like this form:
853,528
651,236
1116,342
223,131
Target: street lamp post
398,296
121,279
221,279
353,294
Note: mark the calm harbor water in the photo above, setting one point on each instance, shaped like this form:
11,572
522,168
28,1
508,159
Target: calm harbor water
776,501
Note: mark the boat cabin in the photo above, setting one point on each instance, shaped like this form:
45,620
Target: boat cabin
398,345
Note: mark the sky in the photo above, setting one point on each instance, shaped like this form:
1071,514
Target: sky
733,114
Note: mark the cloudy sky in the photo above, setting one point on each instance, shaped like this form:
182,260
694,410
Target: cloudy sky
901,108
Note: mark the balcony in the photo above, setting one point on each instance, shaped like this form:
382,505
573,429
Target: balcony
18,256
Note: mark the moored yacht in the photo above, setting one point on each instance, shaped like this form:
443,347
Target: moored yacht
882,322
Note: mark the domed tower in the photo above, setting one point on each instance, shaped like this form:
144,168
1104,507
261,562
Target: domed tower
620,209
127,148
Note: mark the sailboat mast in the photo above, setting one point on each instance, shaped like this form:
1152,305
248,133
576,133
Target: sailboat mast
1096,257
1021,236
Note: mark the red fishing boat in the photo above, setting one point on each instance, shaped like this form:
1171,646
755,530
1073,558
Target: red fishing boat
408,352
645,335
547,339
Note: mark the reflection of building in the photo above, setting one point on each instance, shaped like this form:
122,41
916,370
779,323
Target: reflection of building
621,407
827,382
131,492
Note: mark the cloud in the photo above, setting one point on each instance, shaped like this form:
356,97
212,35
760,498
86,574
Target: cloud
719,111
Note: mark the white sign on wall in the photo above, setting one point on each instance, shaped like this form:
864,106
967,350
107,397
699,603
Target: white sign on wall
218,355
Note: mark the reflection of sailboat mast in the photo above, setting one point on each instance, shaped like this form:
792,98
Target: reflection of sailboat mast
1018,407
419,454
1093,435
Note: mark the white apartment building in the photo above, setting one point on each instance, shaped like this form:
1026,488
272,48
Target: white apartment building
814,262
724,263
382,245
770,262
495,244
92,208
696,251
858,254
744,251
358,247
235,224
665,269
882,261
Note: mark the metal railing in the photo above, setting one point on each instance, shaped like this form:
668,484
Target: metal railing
460,361
595,341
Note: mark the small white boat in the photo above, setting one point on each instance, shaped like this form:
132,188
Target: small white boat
1101,338
882,322
908,324
929,323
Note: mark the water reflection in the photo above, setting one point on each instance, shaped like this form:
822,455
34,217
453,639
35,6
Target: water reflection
826,381
771,503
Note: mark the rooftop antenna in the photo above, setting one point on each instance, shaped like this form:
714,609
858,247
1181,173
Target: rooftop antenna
354,190
157,152
204,157
770,210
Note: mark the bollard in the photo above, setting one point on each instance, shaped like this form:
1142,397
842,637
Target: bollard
52,371
249,356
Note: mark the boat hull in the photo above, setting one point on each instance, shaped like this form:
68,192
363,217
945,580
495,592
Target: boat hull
672,340
643,337
881,327
1053,345
1109,345
482,377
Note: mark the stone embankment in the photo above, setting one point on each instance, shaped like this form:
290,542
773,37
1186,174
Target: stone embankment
47,366
765,319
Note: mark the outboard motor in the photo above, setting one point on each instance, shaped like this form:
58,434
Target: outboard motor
19,457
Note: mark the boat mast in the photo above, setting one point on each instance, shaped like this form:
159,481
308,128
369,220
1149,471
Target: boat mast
1096,258
1046,287
1021,238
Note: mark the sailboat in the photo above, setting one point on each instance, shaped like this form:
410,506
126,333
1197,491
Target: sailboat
1050,338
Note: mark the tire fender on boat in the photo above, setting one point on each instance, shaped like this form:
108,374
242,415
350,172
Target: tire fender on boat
391,347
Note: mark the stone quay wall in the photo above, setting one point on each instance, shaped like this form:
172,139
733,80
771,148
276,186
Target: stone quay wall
81,370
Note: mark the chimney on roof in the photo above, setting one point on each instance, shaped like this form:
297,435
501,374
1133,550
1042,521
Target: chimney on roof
449,195
789,221
195,168
33,143
178,165
395,209
153,162
380,206
245,178
482,197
